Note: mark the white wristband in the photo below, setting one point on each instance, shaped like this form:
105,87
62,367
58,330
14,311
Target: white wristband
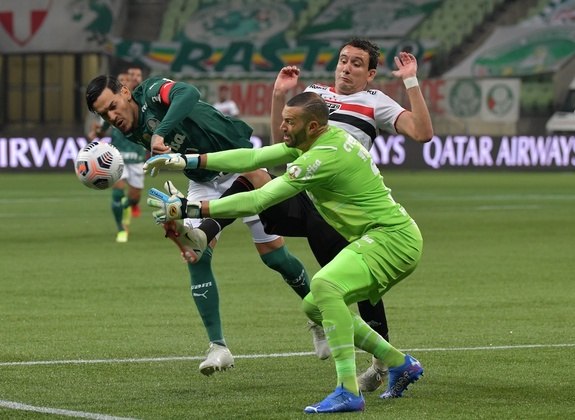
410,82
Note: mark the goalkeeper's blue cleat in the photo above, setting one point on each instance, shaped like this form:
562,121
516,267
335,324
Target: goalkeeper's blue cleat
339,401
401,376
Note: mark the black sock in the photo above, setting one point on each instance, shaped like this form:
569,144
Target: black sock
374,315
212,227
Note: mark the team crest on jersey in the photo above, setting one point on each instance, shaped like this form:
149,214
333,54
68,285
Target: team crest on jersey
294,172
152,124
332,106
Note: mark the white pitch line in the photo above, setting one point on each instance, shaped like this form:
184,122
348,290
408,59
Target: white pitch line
266,356
48,410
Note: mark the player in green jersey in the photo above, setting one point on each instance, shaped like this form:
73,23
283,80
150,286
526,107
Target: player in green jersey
124,203
348,190
167,116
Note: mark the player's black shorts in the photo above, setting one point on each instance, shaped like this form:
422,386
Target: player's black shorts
298,217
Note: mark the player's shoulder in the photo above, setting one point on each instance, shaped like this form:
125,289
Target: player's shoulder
152,85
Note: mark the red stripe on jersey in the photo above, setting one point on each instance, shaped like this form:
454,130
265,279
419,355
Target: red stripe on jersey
165,92
359,109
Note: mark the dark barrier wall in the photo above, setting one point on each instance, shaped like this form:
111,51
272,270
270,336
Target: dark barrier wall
538,153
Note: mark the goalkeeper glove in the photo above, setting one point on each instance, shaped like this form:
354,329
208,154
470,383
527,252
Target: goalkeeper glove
173,206
171,162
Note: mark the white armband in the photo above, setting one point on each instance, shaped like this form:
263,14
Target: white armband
410,82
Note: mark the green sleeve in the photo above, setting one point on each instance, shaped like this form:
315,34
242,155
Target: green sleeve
242,160
253,202
183,98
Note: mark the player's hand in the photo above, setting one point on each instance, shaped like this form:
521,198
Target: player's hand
287,79
171,206
171,162
168,161
157,145
406,65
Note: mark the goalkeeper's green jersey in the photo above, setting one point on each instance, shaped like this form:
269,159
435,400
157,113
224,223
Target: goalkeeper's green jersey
338,174
174,111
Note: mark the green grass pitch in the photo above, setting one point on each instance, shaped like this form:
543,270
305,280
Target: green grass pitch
90,328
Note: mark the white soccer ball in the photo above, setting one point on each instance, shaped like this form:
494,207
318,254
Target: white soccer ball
99,165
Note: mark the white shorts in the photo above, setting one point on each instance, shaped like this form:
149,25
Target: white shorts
212,190
133,175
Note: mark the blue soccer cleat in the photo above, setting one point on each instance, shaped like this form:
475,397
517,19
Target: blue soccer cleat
339,401
401,376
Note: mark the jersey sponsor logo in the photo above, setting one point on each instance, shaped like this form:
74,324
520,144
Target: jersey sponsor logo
294,171
312,169
321,87
201,286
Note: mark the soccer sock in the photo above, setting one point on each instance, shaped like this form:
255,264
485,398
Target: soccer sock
130,202
374,315
206,296
338,327
117,207
366,338
290,268
212,227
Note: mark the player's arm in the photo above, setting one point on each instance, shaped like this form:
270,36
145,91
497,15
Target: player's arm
179,99
249,203
417,122
174,205
287,79
234,160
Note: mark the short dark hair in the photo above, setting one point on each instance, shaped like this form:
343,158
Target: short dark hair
313,105
97,86
366,45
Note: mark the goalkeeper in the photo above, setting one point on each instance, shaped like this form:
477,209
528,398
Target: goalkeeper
348,190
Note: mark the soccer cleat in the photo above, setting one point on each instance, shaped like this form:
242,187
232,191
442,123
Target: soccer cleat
126,213
136,211
372,378
192,242
122,236
219,358
339,401
401,376
319,341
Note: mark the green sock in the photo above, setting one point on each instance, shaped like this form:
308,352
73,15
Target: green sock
205,294
338,326
117,207
290,268
366,338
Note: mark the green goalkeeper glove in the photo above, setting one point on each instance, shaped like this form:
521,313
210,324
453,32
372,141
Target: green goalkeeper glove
171,162
173,206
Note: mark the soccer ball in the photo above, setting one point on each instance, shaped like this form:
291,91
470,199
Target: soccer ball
99,165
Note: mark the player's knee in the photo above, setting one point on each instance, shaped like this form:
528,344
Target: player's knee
310,309
257,178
